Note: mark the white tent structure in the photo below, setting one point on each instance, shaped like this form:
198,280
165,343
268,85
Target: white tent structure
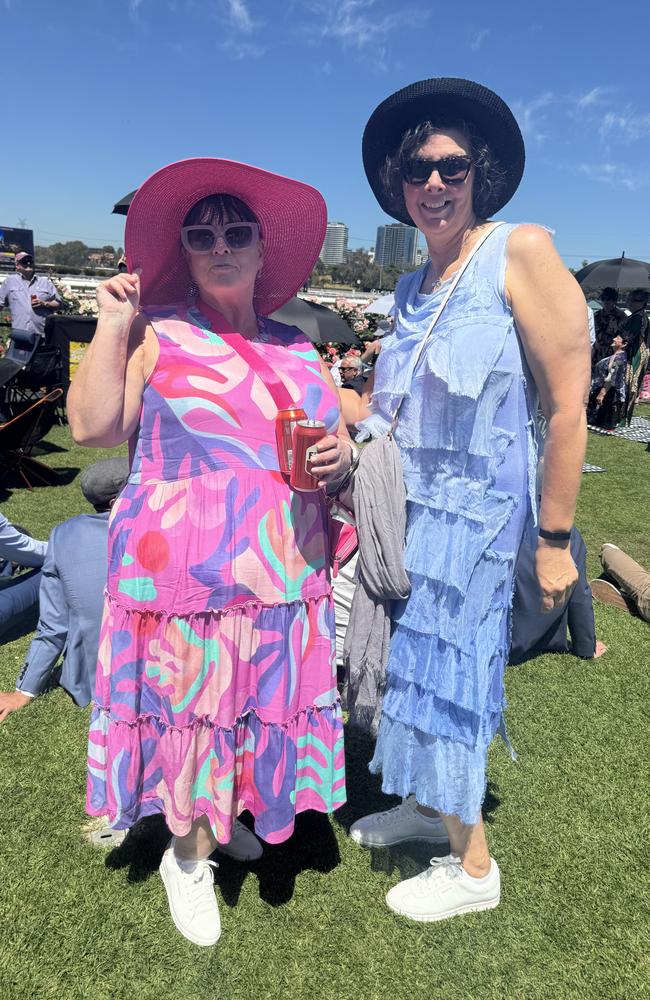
384,306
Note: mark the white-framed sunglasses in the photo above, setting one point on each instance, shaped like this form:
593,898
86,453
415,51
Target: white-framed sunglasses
203,238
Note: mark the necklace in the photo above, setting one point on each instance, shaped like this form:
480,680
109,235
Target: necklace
462,253
436,284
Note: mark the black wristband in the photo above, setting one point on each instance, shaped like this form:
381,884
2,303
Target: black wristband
555,536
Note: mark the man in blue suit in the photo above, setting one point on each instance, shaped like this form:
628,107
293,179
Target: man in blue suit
71,597
18,594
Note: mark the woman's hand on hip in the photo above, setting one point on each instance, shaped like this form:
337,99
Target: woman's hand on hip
556,574
332,460
118,300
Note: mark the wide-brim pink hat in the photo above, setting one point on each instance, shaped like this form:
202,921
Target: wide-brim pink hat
292,215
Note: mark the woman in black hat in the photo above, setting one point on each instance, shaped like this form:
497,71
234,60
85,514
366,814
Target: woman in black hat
445,155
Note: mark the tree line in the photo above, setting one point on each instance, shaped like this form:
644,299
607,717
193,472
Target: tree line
358,271
74,253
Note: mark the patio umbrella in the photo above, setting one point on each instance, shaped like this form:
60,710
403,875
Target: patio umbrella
623,272
121,207
383,306
320,324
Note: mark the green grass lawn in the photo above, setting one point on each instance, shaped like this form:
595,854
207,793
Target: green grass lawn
568,823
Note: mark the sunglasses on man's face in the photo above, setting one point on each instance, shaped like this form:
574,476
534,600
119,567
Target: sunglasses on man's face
26,262
451,169
236,236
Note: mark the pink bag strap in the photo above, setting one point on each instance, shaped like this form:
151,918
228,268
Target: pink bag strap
248,352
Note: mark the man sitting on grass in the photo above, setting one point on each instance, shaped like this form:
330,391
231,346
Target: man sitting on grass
71,597
627,584
18,594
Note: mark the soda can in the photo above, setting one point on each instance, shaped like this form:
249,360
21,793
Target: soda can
285,423
306,436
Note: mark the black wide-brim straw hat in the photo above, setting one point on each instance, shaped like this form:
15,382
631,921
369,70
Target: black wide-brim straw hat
428,100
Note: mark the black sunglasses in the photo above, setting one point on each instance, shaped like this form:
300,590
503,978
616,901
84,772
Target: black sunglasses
452,169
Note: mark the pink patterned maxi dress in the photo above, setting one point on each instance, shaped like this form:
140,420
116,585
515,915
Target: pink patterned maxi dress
216,681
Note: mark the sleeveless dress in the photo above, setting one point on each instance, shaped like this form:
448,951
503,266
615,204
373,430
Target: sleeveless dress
216,681
467,439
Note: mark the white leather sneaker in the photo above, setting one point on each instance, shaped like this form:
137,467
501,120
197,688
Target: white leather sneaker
444,890
243,845
394,826
192,902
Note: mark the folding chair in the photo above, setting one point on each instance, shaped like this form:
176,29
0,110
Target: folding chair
43,374
22,346
18,437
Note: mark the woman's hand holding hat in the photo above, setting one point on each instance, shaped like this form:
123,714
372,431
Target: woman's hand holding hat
118,300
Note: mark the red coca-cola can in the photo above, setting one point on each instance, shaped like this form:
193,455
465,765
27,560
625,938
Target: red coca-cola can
306,436
285,423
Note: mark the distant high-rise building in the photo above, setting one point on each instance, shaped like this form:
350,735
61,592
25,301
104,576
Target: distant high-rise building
421,254
396,244
335,245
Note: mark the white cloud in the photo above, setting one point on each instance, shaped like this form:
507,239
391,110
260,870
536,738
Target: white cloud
237,49
614,175
358,23
594,96
134,7
477,39
239,16
626,124
532,117
239,30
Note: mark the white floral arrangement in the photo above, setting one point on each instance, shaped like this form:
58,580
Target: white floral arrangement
71,303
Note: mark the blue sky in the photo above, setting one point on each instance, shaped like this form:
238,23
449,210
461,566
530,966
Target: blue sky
100,93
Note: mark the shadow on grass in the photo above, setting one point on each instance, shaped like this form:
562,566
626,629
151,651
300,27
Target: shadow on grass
142,849
365,796
311,847
48,448
61,476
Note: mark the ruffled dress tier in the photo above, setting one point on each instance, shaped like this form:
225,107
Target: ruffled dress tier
216,682
468,446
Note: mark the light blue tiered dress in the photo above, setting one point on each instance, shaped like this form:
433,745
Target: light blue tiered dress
467,439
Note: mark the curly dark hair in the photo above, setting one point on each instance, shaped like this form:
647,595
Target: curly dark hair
489,175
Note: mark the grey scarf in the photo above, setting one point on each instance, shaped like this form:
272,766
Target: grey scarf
379,499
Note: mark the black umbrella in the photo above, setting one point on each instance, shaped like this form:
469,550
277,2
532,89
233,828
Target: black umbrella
620,273
122,206
320,324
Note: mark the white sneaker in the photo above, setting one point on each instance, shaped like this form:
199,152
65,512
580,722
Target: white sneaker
192,902
404,822
444,890
243,845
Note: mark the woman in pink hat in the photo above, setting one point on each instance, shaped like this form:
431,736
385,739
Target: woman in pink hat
216,683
